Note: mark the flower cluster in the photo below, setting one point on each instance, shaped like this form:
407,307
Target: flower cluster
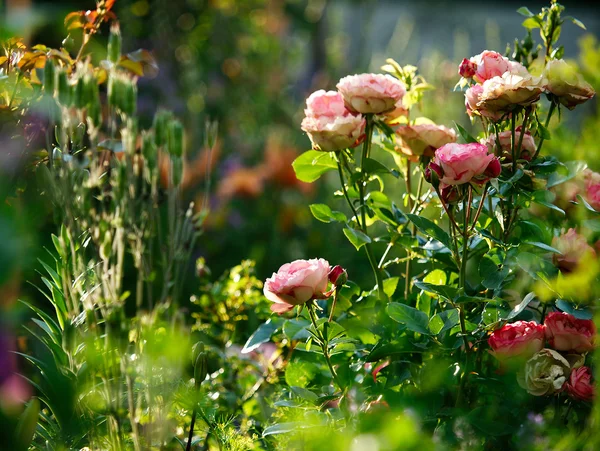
501,85
557,368
334,119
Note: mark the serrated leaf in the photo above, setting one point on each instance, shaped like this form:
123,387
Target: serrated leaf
431,229
356,237
444,321
312,164
414,320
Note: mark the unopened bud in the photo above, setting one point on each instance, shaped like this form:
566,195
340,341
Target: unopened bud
338,276
162,118
433,173
494,169
450,194
114,43
129,99
49,77
200,358
211,130
176,170
175,142
149,149
467,69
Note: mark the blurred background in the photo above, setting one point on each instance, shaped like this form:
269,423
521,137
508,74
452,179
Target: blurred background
250,64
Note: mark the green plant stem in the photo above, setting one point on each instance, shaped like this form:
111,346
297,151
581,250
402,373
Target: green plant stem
512,141
344,190
191,433
550,112
336,294
324,346
363,209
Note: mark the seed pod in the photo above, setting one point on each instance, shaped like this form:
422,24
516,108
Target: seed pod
160,125
175,144
114,43
64,90
49,77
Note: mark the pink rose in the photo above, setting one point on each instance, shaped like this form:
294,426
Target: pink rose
371,93
297,283
564,332
592,188
423,139
573,247
504,93
521,339
579,385
489,64
330,126
456,164
528,146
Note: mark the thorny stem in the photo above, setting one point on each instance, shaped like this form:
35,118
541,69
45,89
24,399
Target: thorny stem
550,112
363,209
324,346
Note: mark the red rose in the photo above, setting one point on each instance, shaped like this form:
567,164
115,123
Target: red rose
521,339
579,385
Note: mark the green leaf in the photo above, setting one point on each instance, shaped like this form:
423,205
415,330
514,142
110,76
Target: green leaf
296,329
444,291
443,321
260,336
465,135
524,11
299,373
493,275
312,164
436,277
305,394
371,166
531,23
586,204
283,428
395,348
27,423
577,22
356,237
520,307
413,319
567,307
390,285
543,246
323,213
431,229
566,172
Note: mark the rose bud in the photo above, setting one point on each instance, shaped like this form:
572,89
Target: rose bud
329,124
297,283
489,64
338,276
545,373
465,163
520,340
579,385
433,173
564,332
573,248
467,69
566,83
371,93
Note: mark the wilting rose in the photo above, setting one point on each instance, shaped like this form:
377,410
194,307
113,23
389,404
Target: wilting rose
297,283
504,93
566,83
528,146
573,248
521,339
564,332
579,385
423,139
330,126
456,164
371,93
545,373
